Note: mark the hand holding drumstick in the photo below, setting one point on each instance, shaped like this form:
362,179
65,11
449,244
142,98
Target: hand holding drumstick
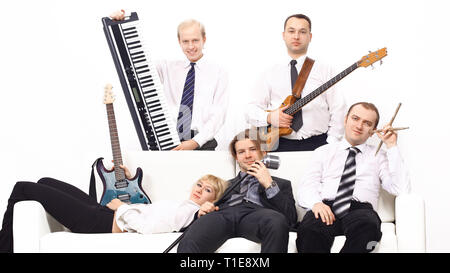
388,135
393,129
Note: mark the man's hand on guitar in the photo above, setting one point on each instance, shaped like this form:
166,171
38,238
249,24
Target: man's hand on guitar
278,118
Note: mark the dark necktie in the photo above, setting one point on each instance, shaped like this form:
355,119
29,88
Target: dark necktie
341,203
187,101
297,122
238,198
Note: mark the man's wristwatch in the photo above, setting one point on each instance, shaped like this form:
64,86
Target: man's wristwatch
272,185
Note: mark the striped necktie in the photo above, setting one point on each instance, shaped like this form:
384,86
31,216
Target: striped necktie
341,203
297,122
238,198
187,101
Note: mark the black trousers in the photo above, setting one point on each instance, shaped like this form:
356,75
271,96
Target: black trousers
208,146
247,220
67,204
307,144
361,227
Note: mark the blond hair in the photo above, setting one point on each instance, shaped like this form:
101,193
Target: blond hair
188,23
219,185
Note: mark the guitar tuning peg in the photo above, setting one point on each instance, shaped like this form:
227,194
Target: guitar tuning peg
381,62
373,67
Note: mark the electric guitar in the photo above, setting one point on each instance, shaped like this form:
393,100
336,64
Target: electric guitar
115,183
271,134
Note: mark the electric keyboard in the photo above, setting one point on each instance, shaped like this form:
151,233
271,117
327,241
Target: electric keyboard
141,85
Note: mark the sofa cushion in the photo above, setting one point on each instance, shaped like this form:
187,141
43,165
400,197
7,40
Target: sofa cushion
171,177
68,242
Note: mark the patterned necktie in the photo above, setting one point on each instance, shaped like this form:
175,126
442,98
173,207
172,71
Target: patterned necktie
238,198
187,101
297,122
341,203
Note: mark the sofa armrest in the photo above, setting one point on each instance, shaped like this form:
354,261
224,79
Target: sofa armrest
30,223
410,223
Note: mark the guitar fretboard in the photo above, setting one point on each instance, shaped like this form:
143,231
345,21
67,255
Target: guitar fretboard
300,103
115,145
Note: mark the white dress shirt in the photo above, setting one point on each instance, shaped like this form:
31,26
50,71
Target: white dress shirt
157,217
324,113
321,181
210,94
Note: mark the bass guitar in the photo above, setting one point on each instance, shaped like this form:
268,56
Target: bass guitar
271,134
115,183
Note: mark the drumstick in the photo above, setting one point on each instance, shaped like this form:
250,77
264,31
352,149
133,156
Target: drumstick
393,129
390,123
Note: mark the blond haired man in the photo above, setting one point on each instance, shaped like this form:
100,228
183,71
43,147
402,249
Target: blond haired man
195,88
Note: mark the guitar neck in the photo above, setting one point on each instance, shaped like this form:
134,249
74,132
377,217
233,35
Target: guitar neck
300,103
115,145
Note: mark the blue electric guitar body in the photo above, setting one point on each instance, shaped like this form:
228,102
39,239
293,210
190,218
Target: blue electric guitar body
115,183
127,190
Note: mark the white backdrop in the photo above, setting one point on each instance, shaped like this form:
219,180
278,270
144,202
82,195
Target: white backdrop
55,62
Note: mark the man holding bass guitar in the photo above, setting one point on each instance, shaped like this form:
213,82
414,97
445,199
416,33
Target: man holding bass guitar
316,124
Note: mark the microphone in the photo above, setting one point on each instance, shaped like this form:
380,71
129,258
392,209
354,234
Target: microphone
271,161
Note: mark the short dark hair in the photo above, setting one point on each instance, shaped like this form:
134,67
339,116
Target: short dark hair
298,16
253,135
369,106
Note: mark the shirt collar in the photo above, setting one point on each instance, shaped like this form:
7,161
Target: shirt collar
198,64
249,178
300,61
343,145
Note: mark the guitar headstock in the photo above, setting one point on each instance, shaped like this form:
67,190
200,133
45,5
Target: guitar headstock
372,57
109,95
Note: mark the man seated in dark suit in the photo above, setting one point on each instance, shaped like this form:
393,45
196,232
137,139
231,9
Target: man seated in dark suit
260,209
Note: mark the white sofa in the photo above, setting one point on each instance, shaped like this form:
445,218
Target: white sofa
170,175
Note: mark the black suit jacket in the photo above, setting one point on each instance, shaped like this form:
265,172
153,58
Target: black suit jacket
282,202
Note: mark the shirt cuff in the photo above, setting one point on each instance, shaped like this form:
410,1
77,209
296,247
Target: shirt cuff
200,139
394,158
272,191
393,151
119,212
257,117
